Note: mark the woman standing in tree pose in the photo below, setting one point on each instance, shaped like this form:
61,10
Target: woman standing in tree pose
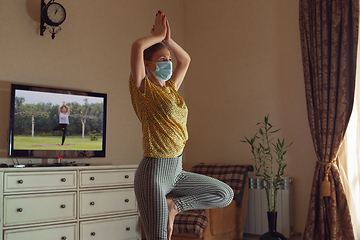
64,113
162,188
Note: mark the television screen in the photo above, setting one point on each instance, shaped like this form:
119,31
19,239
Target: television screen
50,122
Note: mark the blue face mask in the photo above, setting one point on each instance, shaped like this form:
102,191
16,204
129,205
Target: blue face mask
163,71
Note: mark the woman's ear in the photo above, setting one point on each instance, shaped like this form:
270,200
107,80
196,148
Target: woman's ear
146,63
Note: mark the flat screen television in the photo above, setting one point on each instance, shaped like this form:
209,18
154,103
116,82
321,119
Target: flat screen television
56,123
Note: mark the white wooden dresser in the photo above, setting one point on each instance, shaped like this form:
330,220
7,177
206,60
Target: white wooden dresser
68,203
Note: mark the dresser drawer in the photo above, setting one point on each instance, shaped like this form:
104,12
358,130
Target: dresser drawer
104,202
38,208
31,181
109,229
58,232
106,178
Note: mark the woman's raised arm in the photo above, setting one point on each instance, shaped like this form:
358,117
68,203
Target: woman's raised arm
137,50
182,58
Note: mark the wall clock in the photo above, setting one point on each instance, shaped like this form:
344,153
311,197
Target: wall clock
52,15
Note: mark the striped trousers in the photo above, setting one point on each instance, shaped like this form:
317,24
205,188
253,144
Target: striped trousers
159,178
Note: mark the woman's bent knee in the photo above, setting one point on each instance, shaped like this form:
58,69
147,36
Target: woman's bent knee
227,194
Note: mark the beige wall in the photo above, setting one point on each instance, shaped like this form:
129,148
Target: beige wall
246,62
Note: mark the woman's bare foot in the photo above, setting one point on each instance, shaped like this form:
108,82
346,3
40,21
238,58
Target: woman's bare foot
172,211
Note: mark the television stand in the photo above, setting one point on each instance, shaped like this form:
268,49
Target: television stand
72,164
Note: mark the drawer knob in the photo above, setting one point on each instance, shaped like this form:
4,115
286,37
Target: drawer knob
127,229
63,238
126,176
19,209
127,200
92,203
92,178
93,234
63,179
20,181
63,206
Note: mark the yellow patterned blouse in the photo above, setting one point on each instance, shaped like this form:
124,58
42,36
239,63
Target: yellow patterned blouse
163,115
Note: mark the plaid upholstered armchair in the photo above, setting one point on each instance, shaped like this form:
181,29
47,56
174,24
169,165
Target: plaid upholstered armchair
226,223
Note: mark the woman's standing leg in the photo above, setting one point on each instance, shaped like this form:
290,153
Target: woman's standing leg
64,127
153,181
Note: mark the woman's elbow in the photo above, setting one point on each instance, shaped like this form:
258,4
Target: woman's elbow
188,60
185,60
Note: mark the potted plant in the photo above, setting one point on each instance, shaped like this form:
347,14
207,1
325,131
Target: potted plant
267,154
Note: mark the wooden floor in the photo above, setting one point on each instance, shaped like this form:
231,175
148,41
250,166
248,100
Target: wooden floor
256,237
250,237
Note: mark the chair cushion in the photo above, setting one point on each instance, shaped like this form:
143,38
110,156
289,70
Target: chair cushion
192,221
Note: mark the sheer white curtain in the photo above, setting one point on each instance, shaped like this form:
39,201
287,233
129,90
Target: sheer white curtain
349,159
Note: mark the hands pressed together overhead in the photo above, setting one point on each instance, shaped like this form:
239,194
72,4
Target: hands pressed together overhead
160,32
161,26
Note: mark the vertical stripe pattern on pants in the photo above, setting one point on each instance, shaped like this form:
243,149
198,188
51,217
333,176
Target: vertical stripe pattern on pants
159,178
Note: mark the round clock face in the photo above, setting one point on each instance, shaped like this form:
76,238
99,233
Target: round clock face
54,14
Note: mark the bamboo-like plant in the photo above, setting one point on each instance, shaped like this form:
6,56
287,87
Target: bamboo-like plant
265,152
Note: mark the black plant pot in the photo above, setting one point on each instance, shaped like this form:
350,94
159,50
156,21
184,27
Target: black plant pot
272,234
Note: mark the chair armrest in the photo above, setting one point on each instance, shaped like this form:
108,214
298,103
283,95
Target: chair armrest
230,218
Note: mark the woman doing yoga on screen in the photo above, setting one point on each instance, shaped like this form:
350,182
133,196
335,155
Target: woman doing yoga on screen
64,113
